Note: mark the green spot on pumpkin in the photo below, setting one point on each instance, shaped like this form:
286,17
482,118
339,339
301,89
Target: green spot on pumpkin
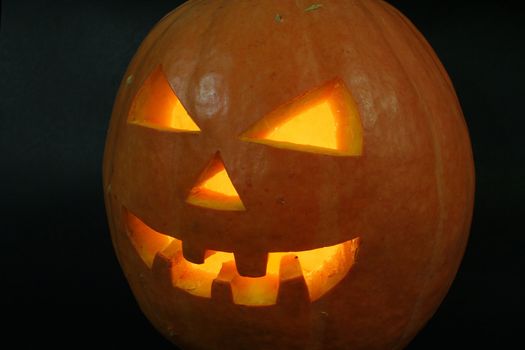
278,18
313,7
129,80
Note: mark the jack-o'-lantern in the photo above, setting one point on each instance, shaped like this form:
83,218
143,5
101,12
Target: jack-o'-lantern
288,175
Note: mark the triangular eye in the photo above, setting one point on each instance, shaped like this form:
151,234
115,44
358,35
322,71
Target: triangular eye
214,189
324,121
156,106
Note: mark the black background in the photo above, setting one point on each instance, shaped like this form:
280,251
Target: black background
60,65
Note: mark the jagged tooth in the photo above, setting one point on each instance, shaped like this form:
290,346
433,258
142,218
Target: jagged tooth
293,291
250,264
161,268
193,252
221,289
166,261
173,249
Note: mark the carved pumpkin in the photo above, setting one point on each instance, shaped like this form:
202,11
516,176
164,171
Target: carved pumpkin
280,175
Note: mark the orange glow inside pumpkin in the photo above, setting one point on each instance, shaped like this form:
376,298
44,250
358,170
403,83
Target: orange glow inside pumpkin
316,126
324,121
215,190
156,106
321,268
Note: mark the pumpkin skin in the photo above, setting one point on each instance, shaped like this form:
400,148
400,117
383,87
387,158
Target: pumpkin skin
408,197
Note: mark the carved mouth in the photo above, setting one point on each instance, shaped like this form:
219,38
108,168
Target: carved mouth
304,274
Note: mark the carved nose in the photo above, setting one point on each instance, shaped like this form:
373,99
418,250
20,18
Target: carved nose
214,189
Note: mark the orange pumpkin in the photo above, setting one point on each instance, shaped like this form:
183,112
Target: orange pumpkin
285,175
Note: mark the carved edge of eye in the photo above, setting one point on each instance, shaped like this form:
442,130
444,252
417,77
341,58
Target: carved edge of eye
156,106
324,121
